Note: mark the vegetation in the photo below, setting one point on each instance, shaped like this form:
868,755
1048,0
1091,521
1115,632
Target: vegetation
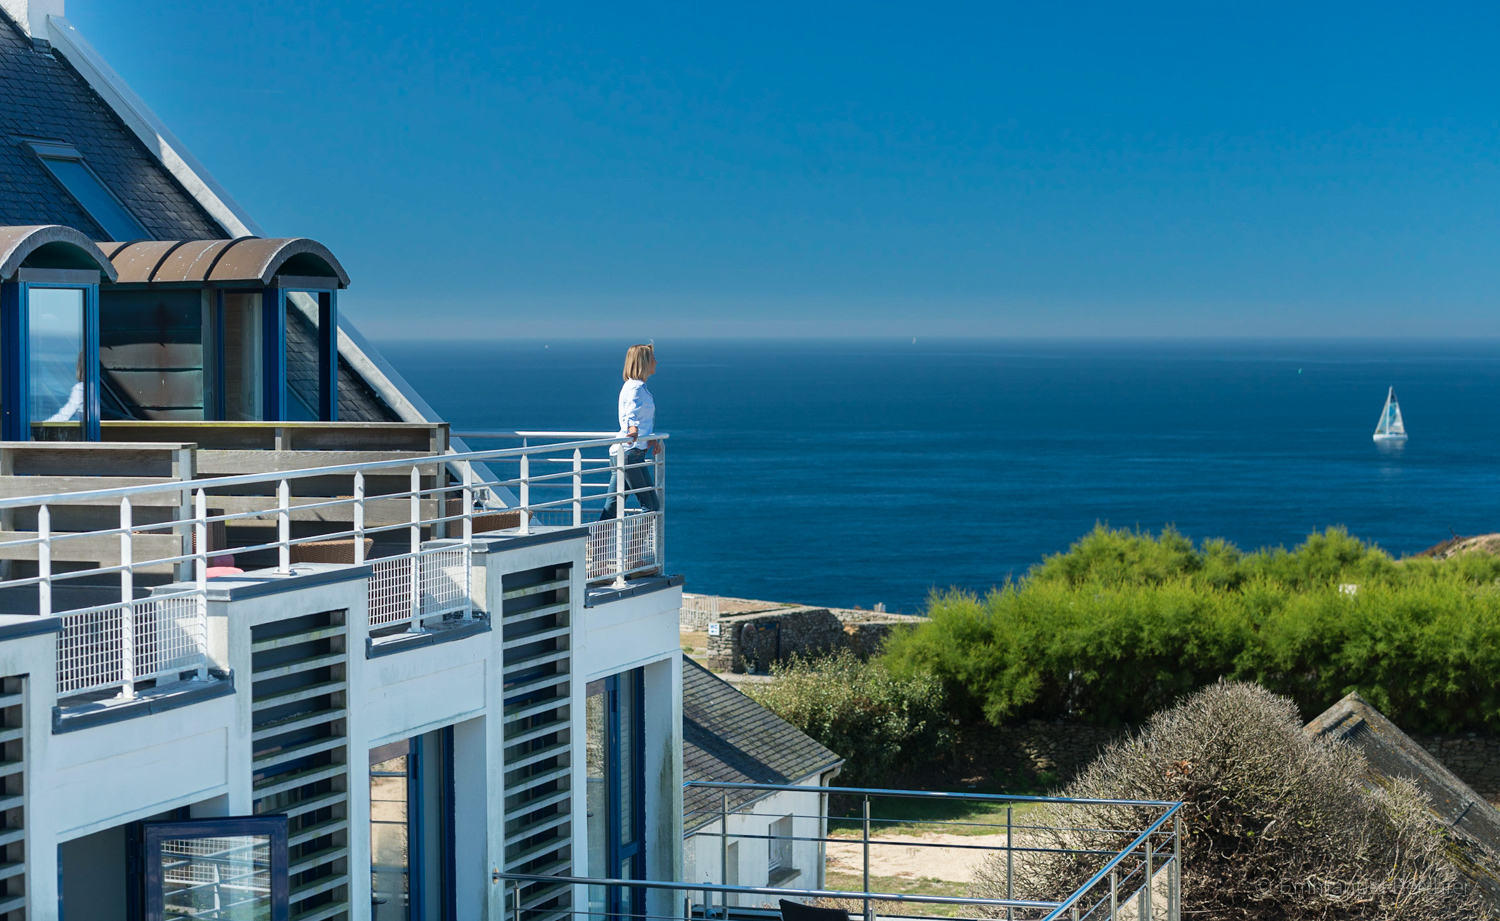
1278,824
1124,623
879,722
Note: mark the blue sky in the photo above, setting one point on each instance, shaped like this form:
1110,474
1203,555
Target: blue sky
807,169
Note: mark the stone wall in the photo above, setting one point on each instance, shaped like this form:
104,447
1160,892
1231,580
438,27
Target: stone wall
1475,759
752,636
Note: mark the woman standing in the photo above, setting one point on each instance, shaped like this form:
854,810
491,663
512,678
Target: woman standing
637,422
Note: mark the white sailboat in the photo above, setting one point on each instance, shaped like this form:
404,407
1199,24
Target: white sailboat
1390,428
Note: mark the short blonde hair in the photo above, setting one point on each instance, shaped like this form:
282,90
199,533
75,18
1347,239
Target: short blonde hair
640,362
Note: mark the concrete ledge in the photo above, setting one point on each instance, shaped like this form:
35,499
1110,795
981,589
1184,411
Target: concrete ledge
604,594
155,700
15,626
259,582
377,646
497,541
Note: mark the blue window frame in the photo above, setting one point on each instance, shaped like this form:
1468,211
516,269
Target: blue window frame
412,829
49,364
279,397
216,868
67,166
615,725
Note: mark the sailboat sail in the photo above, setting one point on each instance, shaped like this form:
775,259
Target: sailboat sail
1391,426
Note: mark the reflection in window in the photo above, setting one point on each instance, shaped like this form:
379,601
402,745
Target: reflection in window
779,858
390,849
67,167
242,368
55,345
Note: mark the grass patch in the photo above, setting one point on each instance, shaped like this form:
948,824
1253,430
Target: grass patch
914,816
901,885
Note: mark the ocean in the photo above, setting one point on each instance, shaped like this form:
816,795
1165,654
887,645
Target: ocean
855,473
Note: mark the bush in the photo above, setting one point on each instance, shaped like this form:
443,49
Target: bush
1277,824
883,725
1125,623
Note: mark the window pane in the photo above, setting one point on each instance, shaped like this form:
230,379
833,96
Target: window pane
90,193
390,849
242,368
303,374
629,768
56,361
596,786
222,878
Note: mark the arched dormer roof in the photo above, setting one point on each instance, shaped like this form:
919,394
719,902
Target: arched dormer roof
242,261
50,246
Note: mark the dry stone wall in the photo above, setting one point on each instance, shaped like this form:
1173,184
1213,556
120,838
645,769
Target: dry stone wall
751,636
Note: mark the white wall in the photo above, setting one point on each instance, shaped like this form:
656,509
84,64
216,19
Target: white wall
750,827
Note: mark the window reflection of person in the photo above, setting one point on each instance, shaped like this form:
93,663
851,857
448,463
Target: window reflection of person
72,411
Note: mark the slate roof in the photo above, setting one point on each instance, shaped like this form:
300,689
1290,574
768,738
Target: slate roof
1392,754
729,738
43,97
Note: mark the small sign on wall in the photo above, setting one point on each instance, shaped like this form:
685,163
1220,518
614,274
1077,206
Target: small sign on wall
713,629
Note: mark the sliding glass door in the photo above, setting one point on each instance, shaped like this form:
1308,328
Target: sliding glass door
615,792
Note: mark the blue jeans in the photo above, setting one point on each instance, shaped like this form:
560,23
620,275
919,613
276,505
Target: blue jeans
636,478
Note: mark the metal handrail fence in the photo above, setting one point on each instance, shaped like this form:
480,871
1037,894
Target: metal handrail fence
1130,870
127,640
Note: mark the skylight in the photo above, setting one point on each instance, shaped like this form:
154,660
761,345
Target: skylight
67,167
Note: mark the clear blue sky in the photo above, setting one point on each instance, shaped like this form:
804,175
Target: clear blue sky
937,169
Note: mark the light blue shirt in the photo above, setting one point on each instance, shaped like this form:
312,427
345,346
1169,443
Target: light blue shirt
638,409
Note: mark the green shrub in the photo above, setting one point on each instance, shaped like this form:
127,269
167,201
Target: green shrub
1124,623
884,725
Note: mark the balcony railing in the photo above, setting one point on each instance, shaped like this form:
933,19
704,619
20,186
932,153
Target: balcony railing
1122,859
413,520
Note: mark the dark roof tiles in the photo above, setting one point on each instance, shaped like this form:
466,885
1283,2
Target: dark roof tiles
45,98
729,738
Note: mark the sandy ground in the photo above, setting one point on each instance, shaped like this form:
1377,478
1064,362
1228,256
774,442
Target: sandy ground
927,855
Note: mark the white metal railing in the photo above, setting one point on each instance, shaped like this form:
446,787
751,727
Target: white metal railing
413,520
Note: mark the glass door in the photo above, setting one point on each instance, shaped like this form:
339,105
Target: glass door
216,869
615,792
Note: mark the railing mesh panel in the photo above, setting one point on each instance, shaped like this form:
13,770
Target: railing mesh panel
168,636
642,538
443,586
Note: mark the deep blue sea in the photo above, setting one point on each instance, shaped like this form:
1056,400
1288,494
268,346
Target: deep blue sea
852,473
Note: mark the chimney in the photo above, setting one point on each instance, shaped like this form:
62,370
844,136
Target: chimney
31,16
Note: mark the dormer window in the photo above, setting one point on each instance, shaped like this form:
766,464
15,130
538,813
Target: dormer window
67,166
49,333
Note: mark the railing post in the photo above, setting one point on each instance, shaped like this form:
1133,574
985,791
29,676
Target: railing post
1114,893
127,604
414,584
200,576
515,905
44,561
1174,880
468,503
1010,860
1150,877
577,488
525,492
723,853
284,527
661,507
620,517
359,517
869,911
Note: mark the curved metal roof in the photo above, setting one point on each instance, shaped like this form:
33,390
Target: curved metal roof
246,260
50,246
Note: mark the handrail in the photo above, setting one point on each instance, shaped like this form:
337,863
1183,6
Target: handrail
925,794
427,580
250,479
772,890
